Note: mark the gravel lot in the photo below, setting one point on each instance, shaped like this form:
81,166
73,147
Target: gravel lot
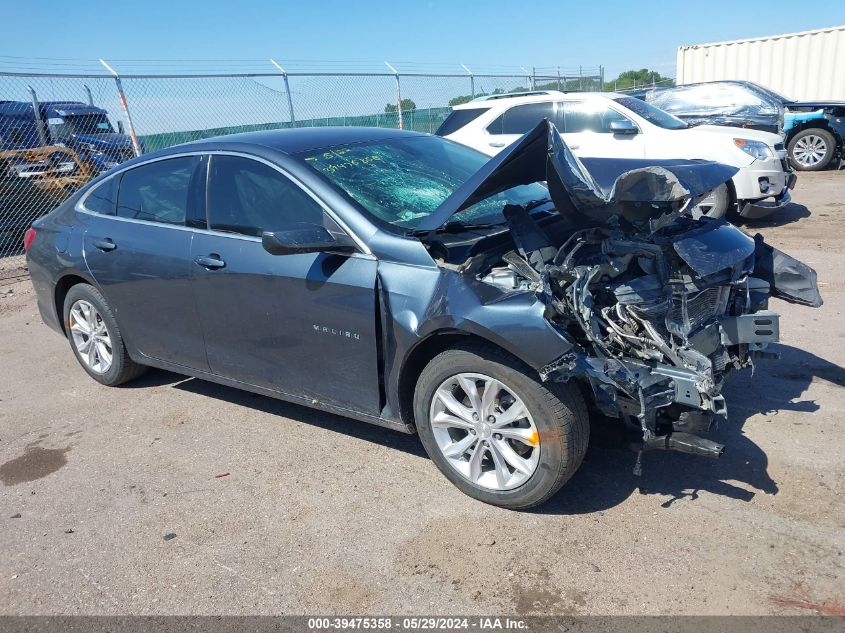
320,514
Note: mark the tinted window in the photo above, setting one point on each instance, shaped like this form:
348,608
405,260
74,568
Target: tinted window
157,192
248,197
652,114
459,118
103,199
522,118
403,180
588,116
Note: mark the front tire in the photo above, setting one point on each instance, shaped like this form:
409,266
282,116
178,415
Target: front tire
95,338
716,204
495,431
811,149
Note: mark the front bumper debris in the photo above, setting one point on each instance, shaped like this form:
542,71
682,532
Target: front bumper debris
758,209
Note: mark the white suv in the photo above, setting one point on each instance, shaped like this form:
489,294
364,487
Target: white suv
607,124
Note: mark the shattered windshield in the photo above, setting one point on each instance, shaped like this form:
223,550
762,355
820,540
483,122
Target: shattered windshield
402,181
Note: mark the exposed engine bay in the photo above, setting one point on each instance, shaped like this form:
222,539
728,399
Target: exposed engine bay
659,306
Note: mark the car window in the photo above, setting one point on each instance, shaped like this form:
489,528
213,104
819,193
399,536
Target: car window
157,192
103,198
399,182
588,116
458,119
522,118
652,114
249,197
710,99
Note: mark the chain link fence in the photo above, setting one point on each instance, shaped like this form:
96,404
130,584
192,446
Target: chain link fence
58,131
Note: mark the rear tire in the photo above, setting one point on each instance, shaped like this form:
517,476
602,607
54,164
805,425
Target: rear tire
95,337
507,473
811,149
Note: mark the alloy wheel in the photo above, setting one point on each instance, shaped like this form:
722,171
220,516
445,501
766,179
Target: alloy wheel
810,150
90,336
485,431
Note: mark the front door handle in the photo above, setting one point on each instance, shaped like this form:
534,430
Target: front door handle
497,144
211,262
105,244
574,146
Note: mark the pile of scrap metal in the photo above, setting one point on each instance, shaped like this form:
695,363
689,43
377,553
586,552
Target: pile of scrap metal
33,181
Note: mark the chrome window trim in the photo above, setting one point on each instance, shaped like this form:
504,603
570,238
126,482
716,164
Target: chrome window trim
80,205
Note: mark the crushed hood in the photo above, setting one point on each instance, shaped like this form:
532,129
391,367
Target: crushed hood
640,190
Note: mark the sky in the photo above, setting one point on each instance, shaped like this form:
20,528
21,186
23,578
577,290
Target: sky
330,34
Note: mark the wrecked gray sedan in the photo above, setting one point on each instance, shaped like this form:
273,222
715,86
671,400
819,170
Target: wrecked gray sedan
403,280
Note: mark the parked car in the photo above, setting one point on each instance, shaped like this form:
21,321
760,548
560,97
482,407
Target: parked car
405,280
84,128
619,126
814,131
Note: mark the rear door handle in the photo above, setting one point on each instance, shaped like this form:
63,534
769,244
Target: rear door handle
497,144
105,244
574,146
212,261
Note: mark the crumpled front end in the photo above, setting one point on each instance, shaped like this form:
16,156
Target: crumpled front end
662,320
660,307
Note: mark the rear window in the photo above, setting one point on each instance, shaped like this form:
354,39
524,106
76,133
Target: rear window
522,118
103,199
157,192
459,118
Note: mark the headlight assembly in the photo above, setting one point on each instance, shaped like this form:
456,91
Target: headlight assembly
757,149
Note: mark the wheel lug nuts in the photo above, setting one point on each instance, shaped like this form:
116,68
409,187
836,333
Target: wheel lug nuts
497,436
475,416
491,418
472,431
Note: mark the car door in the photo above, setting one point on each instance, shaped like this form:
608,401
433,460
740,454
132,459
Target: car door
513,123
586,128
303,324
137,248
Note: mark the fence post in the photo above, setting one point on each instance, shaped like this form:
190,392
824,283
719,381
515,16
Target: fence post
580,72
135,144
527,74
88,92
287,91
39,122
533,77
601,78
471,80
398,96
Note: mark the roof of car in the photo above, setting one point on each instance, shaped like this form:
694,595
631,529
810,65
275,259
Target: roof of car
293,141
502,101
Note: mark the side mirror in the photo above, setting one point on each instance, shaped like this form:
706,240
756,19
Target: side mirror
304,237
623,127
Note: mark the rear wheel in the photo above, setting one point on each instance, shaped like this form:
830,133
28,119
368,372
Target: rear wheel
95,338
496,432
811,149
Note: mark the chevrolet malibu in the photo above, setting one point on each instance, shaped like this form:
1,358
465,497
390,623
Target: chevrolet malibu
397,278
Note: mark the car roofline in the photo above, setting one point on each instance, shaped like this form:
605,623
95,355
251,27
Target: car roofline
552,95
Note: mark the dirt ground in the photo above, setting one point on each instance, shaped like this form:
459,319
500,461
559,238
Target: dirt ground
176,496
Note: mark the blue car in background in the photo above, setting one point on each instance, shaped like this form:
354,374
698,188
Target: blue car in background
84,128
813,131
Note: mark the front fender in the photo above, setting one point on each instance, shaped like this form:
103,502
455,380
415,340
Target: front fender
419,302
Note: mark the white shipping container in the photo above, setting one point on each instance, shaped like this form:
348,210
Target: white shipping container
802,66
